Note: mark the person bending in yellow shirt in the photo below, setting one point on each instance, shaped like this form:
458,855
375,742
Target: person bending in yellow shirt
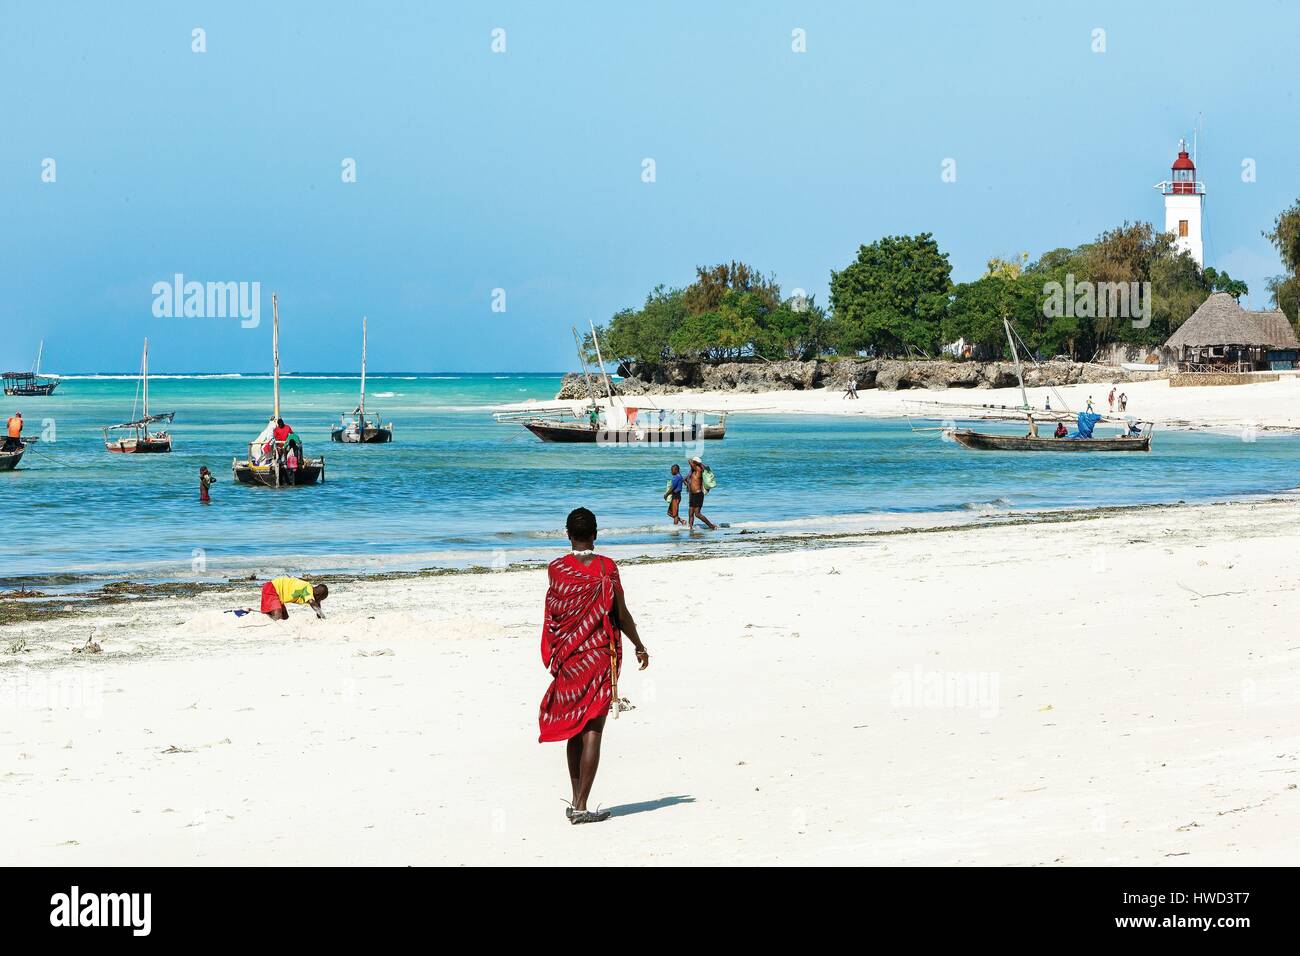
282,591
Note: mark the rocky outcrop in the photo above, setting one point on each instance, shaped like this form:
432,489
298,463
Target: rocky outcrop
886,374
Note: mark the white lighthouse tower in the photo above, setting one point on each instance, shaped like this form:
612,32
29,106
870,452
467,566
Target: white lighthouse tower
1185,205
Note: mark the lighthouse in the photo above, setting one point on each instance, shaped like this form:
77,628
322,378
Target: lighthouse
1184,205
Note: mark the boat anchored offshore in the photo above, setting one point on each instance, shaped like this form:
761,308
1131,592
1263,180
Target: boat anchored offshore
270,454
612,424
1135,437
33,383
134,437
361,430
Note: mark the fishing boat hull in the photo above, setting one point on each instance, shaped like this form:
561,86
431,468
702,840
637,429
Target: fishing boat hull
133,446
370,436
580,433
982,441
31,391
9,459
310,472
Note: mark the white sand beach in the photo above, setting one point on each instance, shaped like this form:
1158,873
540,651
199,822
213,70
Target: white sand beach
1266,405
1116,690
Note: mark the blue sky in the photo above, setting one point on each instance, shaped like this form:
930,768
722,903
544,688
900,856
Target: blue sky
523,170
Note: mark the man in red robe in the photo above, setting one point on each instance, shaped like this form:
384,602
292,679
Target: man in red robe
583,650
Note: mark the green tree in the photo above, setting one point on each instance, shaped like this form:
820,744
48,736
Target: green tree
1285,236
978,308
1222,282
893,297
643,335
797,329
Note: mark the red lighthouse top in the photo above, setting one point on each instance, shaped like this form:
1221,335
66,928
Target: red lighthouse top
1183,180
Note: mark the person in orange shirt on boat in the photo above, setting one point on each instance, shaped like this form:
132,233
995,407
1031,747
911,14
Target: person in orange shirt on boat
281,430
279,592
15,436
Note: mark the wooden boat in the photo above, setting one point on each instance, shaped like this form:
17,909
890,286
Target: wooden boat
596,428
986,442
1134,440
33,383
577,432
9,459
266,464
134,437
361,430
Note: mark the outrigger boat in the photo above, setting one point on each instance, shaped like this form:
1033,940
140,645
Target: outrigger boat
267,461
1137,435
134,437
617,425
33,383
362,431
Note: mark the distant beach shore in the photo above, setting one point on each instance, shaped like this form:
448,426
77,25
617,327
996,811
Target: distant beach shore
1266,406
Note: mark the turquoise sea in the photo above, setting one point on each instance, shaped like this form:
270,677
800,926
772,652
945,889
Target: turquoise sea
457,489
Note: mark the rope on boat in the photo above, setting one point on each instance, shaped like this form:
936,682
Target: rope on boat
28,447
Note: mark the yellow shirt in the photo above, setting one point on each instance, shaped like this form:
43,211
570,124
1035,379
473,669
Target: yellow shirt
293,590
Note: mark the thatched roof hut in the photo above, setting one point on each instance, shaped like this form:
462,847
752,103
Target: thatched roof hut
1276,329
1219,320
1220,332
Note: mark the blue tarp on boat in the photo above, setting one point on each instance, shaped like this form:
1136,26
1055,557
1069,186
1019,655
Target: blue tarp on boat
1087,422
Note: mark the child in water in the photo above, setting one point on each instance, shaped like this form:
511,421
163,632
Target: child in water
206,481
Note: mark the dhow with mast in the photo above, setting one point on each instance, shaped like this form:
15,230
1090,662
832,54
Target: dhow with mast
1136,436
615,422
134,437
270,454
361,430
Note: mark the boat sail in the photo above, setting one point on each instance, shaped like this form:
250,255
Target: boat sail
134,437
33,383
1135,438
270,454
614,422
361,430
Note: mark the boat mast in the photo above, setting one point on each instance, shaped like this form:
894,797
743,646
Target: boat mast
1020,376
144,373
275,349
609,391
363,371
37,369
591,394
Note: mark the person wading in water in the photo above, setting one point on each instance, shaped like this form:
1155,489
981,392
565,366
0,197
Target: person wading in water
583,650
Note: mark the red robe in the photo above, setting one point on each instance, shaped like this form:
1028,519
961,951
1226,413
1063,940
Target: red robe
578,637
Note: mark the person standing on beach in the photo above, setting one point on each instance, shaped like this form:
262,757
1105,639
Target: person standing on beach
1111,399
1089,404
695,488
1123,402
583,650
206,481
675,482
